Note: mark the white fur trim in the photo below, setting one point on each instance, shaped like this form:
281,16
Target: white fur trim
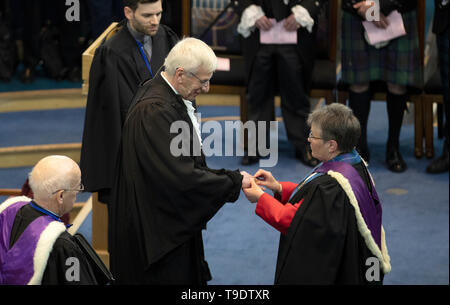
382,254
43,249
9,202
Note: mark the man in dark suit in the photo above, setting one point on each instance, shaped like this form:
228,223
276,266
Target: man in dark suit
134,54
290,64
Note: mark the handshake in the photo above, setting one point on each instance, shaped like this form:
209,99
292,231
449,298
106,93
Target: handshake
254,186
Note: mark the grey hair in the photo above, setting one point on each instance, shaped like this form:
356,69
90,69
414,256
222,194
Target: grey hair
190,54
337,122
50,174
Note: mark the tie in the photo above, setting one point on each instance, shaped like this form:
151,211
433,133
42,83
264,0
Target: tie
148,47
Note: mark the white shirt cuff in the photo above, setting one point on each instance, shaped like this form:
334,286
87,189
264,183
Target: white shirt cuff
303,17
248,19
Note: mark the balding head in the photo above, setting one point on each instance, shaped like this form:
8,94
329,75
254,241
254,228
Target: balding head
48,180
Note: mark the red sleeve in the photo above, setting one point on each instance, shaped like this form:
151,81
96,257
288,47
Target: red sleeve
275,213
286,190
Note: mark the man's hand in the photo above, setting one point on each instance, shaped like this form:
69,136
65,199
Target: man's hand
264,24
362,8
383,23
265,178
246,179
290,24
253,192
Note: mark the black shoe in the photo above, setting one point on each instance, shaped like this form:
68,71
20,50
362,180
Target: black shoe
440,165
249,160
305,157
395,161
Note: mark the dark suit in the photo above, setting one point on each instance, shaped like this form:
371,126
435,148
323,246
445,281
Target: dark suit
116,72
287,68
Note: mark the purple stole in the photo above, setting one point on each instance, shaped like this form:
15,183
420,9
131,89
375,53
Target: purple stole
17,263
368,202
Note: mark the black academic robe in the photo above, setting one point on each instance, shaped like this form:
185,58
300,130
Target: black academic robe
64,247
323,245
160,202
116,72
305,47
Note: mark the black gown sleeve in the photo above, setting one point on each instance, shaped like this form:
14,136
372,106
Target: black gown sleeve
67,264
111,87
198,190
317,237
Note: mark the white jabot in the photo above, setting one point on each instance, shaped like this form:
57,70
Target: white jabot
303,17
248,19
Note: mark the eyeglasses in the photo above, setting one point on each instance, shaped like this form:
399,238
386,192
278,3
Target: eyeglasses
78,190
204,83
313,137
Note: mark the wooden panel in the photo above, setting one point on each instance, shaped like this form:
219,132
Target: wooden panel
10,192
88,56
100,228
20,156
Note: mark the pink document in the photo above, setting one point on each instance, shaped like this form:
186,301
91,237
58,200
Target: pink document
394,30
278,34
223,64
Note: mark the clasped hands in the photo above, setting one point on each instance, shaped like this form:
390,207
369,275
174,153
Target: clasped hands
254,186
290,24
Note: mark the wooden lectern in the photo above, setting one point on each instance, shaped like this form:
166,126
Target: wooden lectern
99,210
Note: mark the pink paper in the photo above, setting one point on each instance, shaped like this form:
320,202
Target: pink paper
223,64
395,29
278,34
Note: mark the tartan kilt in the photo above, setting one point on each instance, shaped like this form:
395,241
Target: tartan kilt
398,62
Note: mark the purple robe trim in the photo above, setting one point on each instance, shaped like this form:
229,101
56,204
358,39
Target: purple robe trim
17,263
369,204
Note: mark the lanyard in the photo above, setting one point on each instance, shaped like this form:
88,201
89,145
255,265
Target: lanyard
351,158
46,212
310,176
141,49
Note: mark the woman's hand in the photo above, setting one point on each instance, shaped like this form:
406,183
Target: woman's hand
265,178
253,192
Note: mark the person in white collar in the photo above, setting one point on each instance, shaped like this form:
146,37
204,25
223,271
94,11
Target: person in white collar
162,199
286,66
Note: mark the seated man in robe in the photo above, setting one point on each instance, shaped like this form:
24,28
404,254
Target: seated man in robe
35,247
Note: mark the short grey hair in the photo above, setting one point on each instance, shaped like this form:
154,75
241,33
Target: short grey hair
337,122
50,174
190,54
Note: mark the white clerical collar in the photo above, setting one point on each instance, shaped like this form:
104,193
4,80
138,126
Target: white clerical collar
190,110
176,92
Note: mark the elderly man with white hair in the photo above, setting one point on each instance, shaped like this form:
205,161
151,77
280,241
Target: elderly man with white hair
35,247
162,200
